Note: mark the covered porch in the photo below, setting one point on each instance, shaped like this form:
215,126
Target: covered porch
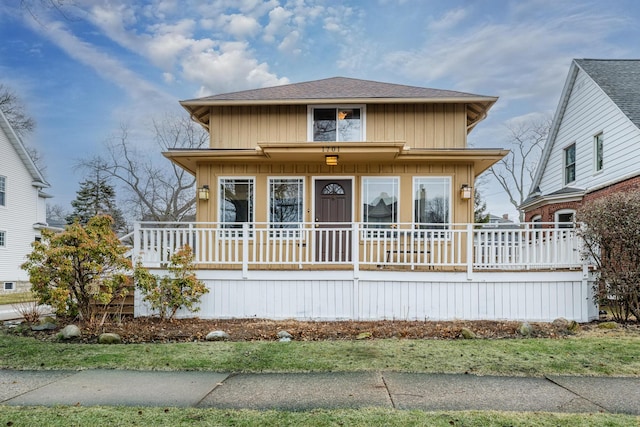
350,271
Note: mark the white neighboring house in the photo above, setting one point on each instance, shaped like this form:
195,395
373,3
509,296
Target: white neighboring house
592,149
22,207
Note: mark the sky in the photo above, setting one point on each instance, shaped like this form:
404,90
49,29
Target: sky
85,68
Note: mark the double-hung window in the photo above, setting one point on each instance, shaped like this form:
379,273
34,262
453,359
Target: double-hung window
598,151
380,202
432,202
336,123
570,164
236,202
3,191
286,197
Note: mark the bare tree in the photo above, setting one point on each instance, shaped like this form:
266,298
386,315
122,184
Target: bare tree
154,189
515,172
15,112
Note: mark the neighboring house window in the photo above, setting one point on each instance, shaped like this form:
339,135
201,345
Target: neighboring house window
3,191
431,201
570,164
598,149
236,201
3,239
565,218
537,221
339,124
9,286
286,196
380,201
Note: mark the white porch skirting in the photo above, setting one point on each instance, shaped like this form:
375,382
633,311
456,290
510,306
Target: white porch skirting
540,296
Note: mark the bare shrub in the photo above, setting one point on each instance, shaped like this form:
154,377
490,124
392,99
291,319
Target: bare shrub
29,309
612,239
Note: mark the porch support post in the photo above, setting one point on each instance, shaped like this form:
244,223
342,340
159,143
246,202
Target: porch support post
470,251
355,250
245,250
136,253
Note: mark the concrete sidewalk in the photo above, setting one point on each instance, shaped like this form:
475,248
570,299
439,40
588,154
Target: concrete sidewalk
302,391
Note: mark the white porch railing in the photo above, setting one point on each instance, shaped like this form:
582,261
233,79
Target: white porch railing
305,245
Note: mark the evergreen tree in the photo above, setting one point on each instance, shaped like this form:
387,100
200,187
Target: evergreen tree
96,197
479,208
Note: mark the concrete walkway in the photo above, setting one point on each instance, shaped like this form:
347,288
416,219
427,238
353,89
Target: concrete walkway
302,391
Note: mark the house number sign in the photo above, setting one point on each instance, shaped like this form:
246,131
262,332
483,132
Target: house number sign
330,149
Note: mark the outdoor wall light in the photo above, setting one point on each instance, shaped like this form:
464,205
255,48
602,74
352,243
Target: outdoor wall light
465,192
331,160
203,192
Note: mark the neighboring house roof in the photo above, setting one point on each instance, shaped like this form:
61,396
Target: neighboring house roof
340,89
16,142
619,79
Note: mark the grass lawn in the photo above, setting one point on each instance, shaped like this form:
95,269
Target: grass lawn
16,297
614,356
174,417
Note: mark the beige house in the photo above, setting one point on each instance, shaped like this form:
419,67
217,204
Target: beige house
345,198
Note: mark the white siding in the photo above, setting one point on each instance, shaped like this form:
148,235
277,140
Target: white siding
22,210
531,296
588,112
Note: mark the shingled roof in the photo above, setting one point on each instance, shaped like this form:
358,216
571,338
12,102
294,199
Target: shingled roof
620,80
339,90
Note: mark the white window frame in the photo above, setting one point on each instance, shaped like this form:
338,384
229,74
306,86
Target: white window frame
252,214
3,190
598,152
283,232
9,286
445,225
363,120
556,217
394,181
565,165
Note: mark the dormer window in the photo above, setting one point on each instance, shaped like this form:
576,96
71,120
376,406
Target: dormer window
336,123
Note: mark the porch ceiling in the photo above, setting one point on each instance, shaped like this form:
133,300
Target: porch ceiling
348,153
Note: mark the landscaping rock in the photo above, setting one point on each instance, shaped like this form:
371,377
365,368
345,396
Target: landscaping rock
285,339
573,326
284,334
217,336
70,332
109,338
608,325
561,323
364,335
467,334
525,329
47,326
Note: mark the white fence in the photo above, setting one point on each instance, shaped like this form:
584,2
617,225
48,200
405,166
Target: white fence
305,245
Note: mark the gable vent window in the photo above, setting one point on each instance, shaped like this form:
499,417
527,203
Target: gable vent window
337,124
570,164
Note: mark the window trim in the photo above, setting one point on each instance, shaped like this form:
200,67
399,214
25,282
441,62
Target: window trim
398,189
3,189
220,201
556,216
363,120
280,232
11,288
447,224
598,152
565,166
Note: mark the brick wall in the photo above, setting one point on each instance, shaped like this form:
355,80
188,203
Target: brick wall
548,211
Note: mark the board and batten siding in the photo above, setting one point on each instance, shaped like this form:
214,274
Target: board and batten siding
590,111
530,296
459,174
22,210
419,125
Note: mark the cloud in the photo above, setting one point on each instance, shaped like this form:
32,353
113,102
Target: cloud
241,26
450,20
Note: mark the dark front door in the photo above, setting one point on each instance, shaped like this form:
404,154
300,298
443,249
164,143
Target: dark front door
332,216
